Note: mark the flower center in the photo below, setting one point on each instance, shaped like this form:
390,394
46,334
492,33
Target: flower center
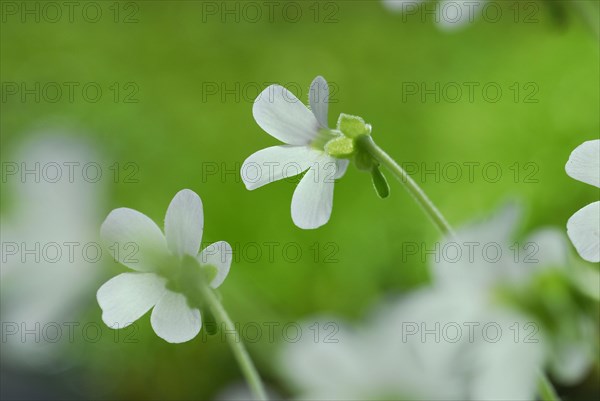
324,136
186,275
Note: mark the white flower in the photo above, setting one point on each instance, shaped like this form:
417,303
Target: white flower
41,282
283,116
157,258
449,15
455,333
430,336
491,260
583,227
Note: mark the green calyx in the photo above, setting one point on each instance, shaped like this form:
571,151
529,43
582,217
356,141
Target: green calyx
353,126
187,277
349,130
348,142
340,147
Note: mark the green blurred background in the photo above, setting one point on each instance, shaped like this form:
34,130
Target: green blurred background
179,131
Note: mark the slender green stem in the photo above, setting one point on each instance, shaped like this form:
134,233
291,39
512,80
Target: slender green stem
545,389
237,346
415,190
588,11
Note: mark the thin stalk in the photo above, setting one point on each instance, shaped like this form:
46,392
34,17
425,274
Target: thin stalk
545,389
413,188
237,346
588,11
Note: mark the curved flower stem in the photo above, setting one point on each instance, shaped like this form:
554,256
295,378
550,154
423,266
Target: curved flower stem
415,190
237,347
545,389
588,11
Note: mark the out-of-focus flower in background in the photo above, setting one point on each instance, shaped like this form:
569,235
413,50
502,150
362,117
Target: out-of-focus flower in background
305,133
51,257
477,331
449,14
532,277
584,226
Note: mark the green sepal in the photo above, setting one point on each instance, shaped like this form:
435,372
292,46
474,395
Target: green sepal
380,183
353,126
340,147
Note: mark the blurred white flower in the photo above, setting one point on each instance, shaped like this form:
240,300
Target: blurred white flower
305,132
491,260
454,340
48,223
483,254
583,227
449,14
161,272
431,345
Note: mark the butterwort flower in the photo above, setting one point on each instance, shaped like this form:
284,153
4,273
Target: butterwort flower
310,147
166,268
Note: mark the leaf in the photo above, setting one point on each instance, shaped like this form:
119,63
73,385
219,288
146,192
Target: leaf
380,183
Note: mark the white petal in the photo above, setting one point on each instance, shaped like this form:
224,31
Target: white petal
126,297
133,239
583,229
284,117
318,98
496,374
571,362
335,370
342,166
460,259
584,163
452,14
184,223
173,320
313,198
218,255
277,162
